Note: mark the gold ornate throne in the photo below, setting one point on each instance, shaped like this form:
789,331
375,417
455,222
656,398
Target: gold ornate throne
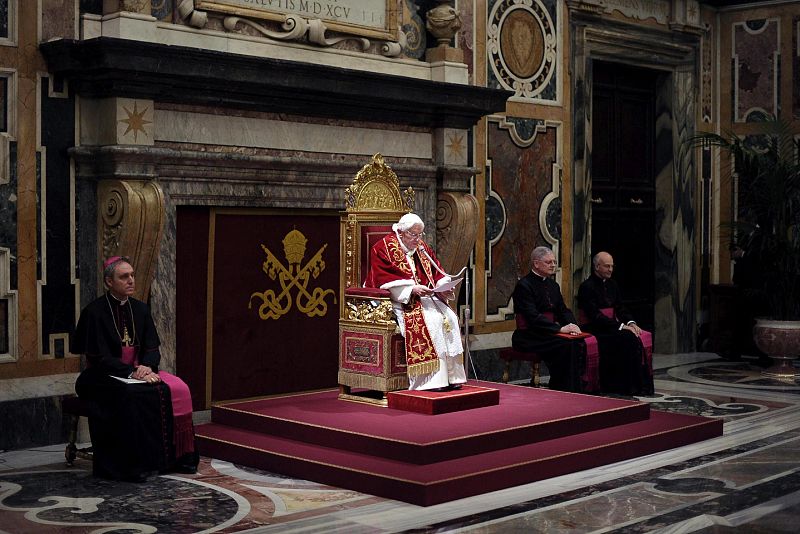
371,350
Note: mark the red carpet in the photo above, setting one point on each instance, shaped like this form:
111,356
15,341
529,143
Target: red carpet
468,397
531,435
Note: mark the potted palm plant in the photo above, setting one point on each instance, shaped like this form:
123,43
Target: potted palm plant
768,169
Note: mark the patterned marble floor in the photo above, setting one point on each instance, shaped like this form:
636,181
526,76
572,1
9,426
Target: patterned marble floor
748,480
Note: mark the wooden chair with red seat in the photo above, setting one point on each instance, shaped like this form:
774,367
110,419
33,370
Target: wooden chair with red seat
509,355
591,375
371,349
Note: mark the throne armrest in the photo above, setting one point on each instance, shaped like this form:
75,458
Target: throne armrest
367,292
369,305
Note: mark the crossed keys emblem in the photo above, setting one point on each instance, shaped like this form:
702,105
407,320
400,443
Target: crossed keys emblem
311,303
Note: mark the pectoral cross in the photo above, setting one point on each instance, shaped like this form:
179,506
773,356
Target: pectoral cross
126,339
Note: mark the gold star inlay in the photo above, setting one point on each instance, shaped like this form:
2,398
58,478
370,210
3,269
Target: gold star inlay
135,121
455,144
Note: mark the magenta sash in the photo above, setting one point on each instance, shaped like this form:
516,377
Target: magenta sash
592,375
183,428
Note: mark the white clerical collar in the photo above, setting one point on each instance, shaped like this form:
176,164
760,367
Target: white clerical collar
543,277
121,302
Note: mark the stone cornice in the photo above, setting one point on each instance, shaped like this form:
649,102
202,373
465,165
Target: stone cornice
137,162
107,67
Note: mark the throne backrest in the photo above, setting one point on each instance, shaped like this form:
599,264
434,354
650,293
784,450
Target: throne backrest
373,202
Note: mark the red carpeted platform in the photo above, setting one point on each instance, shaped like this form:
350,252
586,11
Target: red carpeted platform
532,434
468,397
524,415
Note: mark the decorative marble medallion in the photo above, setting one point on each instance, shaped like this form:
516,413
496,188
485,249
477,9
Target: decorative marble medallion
522,48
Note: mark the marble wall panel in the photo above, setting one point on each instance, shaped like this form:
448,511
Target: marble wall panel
59,19
18,432
707,67
520,161
8,215
796,67
756,75
4,20
465,38
58,291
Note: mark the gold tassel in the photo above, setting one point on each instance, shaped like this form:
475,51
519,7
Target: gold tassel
423,368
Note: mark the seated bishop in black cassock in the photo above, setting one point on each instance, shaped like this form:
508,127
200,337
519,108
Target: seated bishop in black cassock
136,428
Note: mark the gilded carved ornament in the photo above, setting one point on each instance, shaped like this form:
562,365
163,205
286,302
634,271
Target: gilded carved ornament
376,188
370,310
131,223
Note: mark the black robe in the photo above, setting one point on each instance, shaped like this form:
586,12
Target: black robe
623,369
565,358
130,424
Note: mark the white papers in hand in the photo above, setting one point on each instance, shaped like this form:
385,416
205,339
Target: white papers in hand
129,380
447,286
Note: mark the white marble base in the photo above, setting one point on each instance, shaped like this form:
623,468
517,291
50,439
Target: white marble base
37,386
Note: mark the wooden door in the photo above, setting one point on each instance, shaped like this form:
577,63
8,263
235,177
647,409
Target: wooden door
623,180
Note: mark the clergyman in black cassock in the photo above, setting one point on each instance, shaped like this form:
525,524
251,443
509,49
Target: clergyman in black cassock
131,425
625,368
537,296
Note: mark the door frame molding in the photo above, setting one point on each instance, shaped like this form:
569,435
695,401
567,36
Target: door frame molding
676,54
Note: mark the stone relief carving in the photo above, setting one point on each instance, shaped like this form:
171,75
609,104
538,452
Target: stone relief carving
443,21
640,9
292,28
296,28
413,32
193,17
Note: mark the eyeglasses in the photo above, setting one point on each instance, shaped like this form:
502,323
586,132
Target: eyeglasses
415,236
549,262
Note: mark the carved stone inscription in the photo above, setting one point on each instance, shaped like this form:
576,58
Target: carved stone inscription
640,9
369,13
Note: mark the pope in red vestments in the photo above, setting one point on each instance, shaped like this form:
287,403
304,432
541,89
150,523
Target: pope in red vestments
406,266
